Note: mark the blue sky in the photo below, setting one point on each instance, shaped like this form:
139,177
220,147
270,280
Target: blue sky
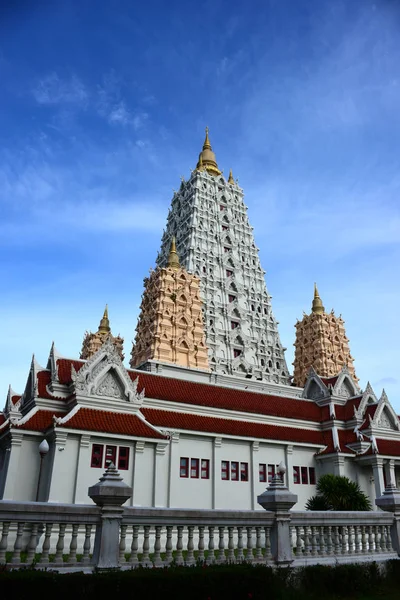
103,108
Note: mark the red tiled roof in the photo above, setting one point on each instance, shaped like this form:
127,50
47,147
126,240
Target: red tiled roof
44,378
330,380
346,436
187,421
64,369
14,399
2,419
200,394
388,447
110,422
346,412
41,420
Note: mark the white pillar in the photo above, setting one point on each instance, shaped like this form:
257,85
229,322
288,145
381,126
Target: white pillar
59,442
255,475
377,468
13,466
289,466
217,454
173,468
338,465
390,472
83,462
160,485
139,451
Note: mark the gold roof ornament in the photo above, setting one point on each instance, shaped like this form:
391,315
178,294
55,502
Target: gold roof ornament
317,306
207,160
230,178
104,326
173,258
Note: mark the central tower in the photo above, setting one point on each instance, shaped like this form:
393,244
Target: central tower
215,241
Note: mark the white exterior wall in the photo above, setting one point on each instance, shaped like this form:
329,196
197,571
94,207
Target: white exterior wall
27,474
190,492
143,475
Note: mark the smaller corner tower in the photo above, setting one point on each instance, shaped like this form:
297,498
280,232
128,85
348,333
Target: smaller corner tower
170,327
92,342
321,343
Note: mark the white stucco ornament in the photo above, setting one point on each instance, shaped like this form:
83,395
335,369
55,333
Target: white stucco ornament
43,447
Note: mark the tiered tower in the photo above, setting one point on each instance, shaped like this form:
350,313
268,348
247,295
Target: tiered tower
215,241
92,342
170,327
321,343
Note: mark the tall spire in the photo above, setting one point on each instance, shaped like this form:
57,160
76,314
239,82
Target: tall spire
207,160
230,178
317,306
104,326
173,258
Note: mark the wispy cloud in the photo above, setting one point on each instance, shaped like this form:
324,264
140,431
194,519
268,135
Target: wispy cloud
54,90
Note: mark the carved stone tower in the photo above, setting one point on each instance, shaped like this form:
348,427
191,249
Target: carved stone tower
92,342
215,241
321,343
170,327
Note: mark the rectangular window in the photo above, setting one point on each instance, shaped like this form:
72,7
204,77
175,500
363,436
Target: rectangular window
296,474
244,471
311,474
194,468
205,468
271,472
184,467
225,469
262,470
304,475
234,471
111,455
97,456
231,298
236,352
123,458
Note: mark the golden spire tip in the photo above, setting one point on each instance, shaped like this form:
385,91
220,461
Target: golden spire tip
317,306
104,326
230,178
173,258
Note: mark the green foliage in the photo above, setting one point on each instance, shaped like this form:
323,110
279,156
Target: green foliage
336,492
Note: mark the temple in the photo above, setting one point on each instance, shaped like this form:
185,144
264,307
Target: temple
208,408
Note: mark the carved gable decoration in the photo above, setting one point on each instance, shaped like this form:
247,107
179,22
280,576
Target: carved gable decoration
368,398
385,417
345,386
104,376
315,389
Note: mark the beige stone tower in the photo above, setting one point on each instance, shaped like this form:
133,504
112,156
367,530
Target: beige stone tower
170,327
321,343
92,342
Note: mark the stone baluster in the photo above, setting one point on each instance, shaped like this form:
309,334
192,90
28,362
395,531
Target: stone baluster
322,545
364,540
249,553
351,539
329,541
259,555
157,561
179,546
16,557
389,547
168,545
343,529
307,541
122,544
268,554
86,544
336,540
190,547
211,554
279,500
314,549
201,544
145,562
221,545
134,559
110,494
4,542
299,549
73,544
231,546
370,538
58,559
31,549
240,555
44,559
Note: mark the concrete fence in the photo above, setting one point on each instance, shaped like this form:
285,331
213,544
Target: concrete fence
105,535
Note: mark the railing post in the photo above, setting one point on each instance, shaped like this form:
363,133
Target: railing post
110,494
390,502
279,500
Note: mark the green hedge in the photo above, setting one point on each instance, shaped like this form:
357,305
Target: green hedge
244,582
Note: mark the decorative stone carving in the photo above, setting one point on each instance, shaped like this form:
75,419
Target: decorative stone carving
109,387
321,343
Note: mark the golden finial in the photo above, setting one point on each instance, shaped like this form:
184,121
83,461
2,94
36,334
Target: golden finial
173,258
317,306
230,178
104,326
207,160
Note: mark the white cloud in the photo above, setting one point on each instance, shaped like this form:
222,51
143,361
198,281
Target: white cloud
52,90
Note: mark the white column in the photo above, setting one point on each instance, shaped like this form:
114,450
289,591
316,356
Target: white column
289,466
173,467
13,467
254,474
338,465
59,442
139,451
377,468
160,484
390,472
217,457
82,466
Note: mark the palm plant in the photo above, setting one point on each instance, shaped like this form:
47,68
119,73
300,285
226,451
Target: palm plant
336,492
